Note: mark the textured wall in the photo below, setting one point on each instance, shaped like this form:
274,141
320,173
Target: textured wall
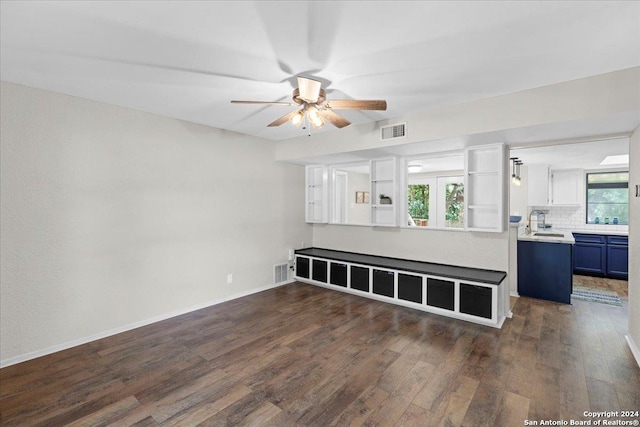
112,216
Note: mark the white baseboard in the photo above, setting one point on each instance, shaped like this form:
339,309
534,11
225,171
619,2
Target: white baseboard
634,348
118,330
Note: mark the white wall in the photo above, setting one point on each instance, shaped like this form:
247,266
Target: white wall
111,216
358,213
480,250
634,243
518,194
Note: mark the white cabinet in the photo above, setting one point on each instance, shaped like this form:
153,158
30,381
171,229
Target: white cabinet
537,185
383,175
567,187
484,188
316,197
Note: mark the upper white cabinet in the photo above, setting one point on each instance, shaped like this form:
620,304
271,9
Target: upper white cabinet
383,175
537,185
316,199
567,187
554,187
484,188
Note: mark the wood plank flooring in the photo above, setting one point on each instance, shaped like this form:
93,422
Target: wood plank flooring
307,356
621,287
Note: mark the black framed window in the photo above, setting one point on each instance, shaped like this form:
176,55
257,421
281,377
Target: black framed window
608,197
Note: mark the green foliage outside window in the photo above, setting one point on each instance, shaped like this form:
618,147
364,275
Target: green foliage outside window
419,201
454,214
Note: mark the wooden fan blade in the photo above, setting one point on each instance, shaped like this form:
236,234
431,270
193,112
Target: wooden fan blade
309,89
335,119
261,103
283,119
355,104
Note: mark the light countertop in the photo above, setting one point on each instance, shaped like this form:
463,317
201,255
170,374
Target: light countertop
561,236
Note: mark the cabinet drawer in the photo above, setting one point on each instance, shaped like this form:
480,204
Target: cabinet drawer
302,267
383,283
589,238
618,240
475,300
410,288
440,293
338,274
359,278
319,271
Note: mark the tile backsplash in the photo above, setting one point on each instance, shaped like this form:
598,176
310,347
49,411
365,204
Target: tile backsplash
572,217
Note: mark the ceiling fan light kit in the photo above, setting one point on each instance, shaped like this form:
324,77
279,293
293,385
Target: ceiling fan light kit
315,106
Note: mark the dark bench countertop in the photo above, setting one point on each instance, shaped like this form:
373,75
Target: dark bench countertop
491,277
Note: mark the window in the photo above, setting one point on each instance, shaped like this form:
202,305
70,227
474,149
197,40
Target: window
608,198
435,191
436,202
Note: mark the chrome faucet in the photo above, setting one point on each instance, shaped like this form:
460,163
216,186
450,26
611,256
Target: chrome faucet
538,212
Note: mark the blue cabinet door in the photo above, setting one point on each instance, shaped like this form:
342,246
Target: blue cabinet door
618,261
590,258
544,270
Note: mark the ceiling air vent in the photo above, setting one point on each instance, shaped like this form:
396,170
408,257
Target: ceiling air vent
393,131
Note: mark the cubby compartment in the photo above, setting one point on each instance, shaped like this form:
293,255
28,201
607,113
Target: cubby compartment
410,288
383,281
476,300
441,293
338,274
360,278
302,267
319,271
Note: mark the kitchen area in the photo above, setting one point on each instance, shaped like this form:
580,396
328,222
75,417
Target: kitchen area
569,219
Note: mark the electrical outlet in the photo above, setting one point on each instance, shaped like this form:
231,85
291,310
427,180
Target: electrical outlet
229,278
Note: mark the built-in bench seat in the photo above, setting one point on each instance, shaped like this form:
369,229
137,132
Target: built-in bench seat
473,294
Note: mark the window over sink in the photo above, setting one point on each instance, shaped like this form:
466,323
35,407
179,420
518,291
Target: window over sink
608,197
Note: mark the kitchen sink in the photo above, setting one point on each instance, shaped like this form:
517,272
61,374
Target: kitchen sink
543,234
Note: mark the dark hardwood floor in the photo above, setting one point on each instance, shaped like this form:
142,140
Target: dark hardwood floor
303,355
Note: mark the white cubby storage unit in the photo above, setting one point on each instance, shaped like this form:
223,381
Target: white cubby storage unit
316,198
484,188
469,300
383,175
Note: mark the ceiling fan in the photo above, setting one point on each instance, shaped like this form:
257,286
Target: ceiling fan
316,108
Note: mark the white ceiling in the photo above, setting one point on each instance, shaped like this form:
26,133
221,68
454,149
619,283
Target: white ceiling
586,155
187,60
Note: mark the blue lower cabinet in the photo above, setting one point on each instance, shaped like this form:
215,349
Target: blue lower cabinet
601,255
545,270
590,258
618,261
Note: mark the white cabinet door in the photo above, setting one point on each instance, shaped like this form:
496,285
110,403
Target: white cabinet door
566,187
316,197
485,188
537,185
